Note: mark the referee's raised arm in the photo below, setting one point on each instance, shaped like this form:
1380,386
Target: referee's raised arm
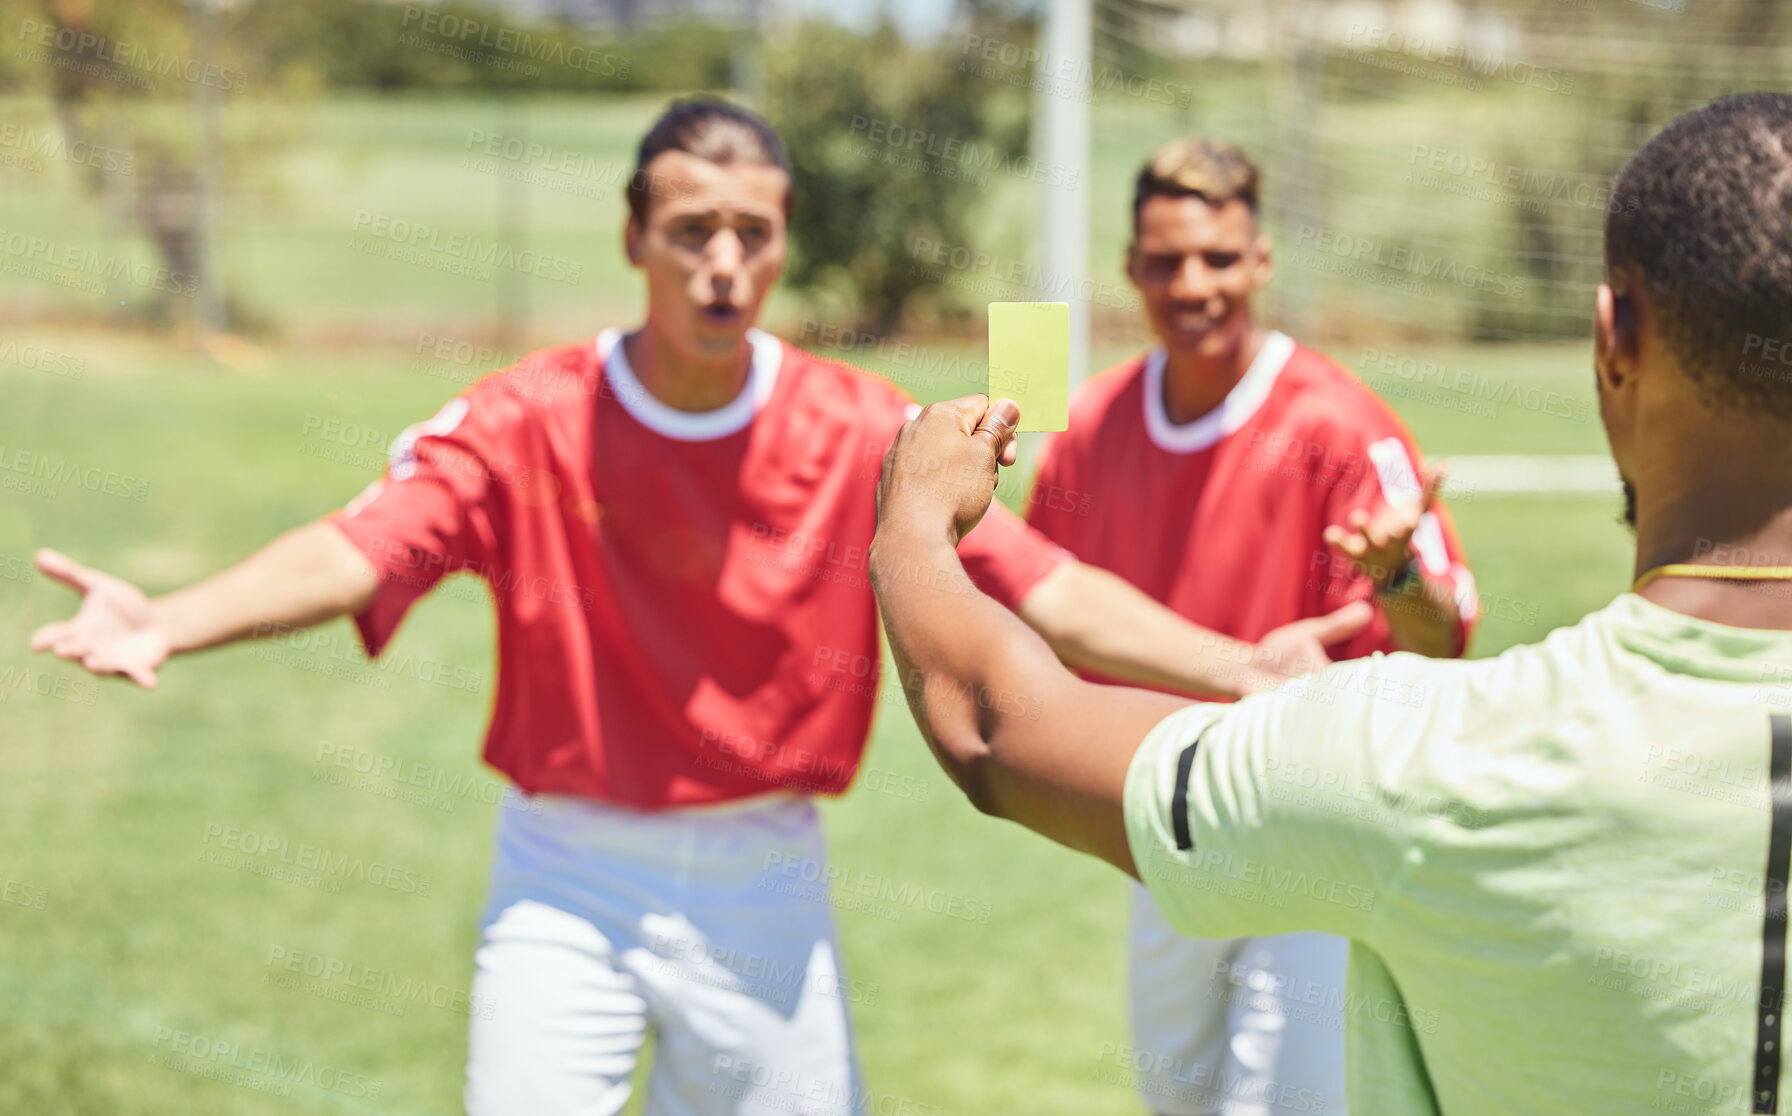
1025,739
1030,742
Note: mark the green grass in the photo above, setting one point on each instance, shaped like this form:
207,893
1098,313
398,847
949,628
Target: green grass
108,803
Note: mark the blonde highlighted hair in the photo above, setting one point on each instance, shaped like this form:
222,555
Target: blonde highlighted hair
1210,170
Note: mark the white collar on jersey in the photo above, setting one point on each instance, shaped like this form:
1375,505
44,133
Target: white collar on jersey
1233,412
692,426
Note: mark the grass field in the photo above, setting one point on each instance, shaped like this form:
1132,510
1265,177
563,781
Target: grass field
119,929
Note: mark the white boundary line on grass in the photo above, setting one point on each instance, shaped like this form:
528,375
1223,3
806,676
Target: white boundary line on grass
1536,475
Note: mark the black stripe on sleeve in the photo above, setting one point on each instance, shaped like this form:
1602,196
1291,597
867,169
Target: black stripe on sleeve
1185,763
1766,1085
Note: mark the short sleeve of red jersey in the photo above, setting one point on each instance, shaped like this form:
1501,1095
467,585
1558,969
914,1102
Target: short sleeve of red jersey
429,515
1047,512
1002,554
1381,466
1006,558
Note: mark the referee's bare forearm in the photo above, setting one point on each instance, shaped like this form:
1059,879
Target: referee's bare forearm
1025,739
952,643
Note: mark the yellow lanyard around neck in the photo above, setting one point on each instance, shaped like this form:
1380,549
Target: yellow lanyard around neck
1719,573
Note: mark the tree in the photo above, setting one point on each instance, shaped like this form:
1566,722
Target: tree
889,144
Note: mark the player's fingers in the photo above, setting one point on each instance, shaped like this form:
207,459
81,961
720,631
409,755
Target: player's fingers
48,634
1338,626
102,662
997,426
60,567
1351,543
71,645
1359,518
1430,481
99,663
1396,526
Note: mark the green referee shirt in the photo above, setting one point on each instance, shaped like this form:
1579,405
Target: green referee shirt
1553,866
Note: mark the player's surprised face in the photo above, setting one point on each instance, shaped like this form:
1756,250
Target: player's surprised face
1197,267
712,247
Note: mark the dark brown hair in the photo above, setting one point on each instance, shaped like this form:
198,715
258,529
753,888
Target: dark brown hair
713,130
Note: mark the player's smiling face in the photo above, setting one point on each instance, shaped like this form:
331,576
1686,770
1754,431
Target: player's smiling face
712,247
1196,267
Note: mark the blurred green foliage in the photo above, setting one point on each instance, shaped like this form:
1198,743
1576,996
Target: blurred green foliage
899,142
889,144
292,47
352,44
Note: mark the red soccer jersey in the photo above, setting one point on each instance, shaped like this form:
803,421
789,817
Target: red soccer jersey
1222,518
684,613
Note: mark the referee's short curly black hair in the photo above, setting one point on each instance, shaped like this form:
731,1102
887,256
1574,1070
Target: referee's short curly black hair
711,129
1706,218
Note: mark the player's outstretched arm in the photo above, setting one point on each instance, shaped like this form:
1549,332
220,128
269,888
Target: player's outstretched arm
1023,737
306,576
1099,621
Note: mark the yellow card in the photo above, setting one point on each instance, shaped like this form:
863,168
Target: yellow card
1029,361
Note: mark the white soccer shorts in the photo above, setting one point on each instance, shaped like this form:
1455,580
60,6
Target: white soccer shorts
1236,1027
604,922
